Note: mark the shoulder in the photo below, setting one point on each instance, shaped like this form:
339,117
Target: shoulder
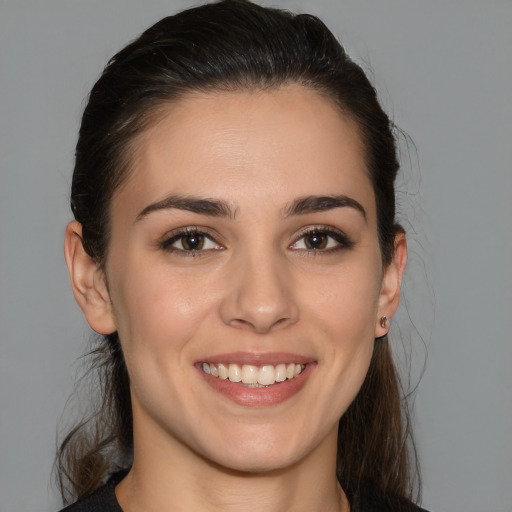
370,499
102,500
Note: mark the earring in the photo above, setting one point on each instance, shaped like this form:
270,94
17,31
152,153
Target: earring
383,321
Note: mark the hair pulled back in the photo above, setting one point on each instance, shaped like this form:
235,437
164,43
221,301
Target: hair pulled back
229,45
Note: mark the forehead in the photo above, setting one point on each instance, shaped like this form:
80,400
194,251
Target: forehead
240,145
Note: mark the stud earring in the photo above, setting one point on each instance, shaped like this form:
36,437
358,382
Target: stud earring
383,321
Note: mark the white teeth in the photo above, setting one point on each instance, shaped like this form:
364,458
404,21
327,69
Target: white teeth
266,375
280,373
223,371
234,373
254,376
249,374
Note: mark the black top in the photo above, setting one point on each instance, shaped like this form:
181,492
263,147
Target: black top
367,500
102,500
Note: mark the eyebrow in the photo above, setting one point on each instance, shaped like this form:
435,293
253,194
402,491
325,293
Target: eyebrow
312,204
204,206
220,208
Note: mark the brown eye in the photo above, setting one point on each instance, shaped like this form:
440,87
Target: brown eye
192,242
322,240
316,240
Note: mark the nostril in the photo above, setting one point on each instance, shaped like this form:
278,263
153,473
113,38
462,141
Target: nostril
283,322
259,326
237,322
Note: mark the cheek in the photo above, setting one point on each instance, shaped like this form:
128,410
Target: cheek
156,310
344,309
347,300
156,316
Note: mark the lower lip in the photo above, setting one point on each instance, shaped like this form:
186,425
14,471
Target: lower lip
259,397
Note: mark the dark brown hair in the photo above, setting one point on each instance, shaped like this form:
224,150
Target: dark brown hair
229,45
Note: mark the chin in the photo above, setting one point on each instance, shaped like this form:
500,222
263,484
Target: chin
248,462
261,451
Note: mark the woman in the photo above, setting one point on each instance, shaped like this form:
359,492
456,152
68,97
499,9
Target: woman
235,244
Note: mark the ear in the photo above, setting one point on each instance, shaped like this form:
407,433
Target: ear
391,282
88,282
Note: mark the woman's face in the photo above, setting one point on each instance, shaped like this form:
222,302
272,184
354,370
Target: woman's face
244,246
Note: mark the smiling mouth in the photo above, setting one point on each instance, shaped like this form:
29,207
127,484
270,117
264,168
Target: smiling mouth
254,376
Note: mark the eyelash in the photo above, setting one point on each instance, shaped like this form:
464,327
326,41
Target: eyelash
181,234
341,239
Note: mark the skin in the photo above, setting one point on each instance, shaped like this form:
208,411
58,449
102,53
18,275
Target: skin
255,288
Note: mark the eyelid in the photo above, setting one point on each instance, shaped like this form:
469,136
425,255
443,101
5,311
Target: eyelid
174,235
342,239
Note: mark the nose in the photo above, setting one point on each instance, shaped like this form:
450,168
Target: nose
260,296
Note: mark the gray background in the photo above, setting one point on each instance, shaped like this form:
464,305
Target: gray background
444,71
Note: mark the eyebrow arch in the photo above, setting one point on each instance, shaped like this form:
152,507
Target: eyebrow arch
312,204
203,206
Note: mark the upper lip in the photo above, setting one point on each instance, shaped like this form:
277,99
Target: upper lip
256,359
